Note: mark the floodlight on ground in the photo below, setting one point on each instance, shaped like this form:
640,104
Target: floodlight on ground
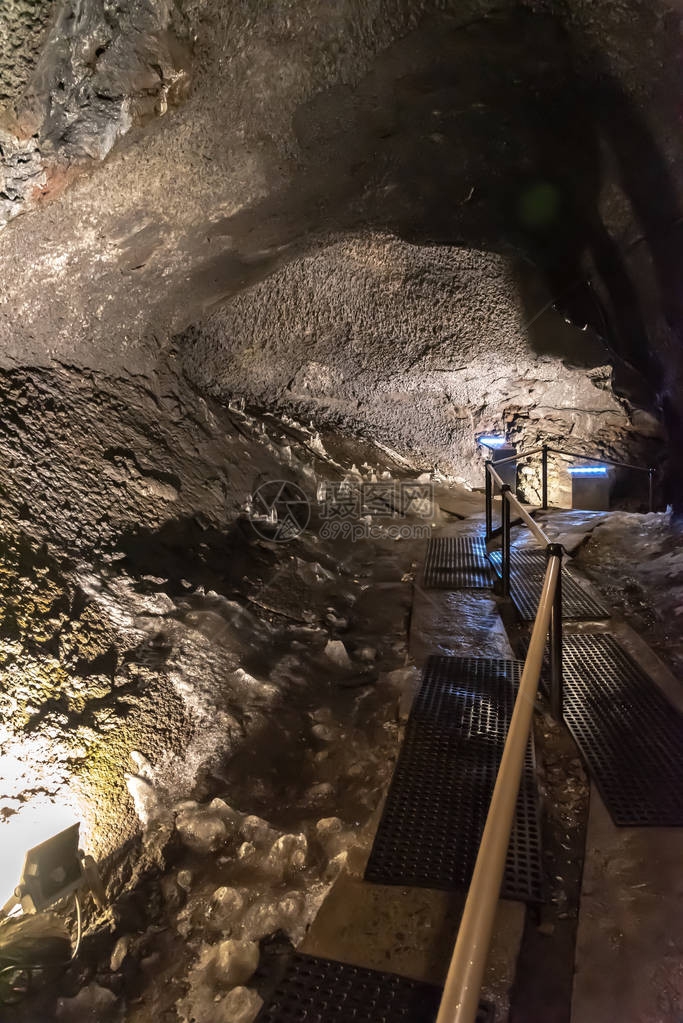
31,940
53,870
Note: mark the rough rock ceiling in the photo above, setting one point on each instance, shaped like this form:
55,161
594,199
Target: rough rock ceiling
293,119
22,30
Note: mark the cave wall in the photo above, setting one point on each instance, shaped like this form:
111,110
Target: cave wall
516,158
233,136
421,347
130,596
23,25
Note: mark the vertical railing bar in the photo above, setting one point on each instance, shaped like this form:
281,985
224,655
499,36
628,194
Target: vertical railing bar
505,553
489,503
556,550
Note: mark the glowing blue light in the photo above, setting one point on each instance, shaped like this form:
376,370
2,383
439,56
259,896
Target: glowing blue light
587,470
493,442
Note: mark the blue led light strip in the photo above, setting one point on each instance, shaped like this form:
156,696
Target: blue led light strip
587,470
493,442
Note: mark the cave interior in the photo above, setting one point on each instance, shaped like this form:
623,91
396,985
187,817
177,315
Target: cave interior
272,273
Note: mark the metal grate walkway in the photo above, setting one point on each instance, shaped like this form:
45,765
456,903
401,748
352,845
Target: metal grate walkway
527,570
324,991
628,732
440,793
457,563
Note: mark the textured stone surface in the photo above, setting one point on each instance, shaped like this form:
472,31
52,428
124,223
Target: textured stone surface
152,649
93,480
421,347
102,67
133,597
22,28
364,128
539,133
21,173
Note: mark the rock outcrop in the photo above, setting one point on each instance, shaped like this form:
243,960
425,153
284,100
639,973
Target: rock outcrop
421,347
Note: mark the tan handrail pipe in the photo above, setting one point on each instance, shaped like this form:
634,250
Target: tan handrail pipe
495,475
460,999
515,458
520,509
542,538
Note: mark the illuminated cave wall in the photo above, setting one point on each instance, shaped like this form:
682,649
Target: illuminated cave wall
424,348
380,215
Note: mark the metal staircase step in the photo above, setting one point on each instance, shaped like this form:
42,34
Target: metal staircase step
527,570
457,563
318,990
440,793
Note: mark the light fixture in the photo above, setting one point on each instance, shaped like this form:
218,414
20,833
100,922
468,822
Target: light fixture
493,442
587,470
52,870
29,943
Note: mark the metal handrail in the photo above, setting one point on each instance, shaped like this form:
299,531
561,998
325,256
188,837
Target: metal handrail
521,454
531,523
573,454
523,514
460,1000
546,450
601,458
493,473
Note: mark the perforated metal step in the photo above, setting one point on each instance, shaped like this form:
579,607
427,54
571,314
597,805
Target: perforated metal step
527,570
440,793
628,732
457,563
324,991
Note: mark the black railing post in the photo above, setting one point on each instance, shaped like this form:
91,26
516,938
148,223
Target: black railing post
489,502
651,474
544,458
505,552
556,682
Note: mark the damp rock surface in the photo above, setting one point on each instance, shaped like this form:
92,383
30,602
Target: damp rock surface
167,671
